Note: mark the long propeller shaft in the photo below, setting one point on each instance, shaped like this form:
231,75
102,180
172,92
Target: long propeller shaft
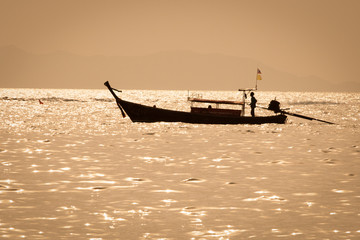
299,115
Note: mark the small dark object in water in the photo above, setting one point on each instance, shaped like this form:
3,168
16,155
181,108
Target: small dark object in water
230,183
192,180
136,179
11,189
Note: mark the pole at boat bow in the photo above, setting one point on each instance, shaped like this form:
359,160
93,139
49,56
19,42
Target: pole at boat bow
107,84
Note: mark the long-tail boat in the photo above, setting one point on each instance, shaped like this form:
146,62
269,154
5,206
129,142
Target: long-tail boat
199,115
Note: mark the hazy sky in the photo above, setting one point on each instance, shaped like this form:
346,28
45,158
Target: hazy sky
302,37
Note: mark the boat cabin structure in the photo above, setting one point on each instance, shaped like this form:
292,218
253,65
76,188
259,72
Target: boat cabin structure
217,107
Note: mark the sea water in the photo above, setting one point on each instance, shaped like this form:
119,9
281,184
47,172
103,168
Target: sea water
73,168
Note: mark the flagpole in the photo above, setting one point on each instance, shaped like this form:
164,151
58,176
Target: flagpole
256,80
257,73
258,77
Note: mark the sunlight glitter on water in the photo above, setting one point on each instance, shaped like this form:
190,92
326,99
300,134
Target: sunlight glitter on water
73,168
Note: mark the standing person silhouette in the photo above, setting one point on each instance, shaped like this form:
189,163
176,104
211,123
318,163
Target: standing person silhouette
253,104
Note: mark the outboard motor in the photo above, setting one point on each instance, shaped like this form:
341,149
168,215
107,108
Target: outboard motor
274,106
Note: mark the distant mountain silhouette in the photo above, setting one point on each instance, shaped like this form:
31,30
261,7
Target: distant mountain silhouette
165,70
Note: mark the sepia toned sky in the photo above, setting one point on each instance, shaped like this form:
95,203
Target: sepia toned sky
302,37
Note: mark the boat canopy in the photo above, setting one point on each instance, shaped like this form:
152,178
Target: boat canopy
215,101
247,89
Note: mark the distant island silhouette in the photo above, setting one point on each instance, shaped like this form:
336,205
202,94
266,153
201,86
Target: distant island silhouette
173,70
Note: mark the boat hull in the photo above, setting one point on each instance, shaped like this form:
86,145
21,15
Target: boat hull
141,113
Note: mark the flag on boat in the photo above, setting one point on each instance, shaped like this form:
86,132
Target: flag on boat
258,76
